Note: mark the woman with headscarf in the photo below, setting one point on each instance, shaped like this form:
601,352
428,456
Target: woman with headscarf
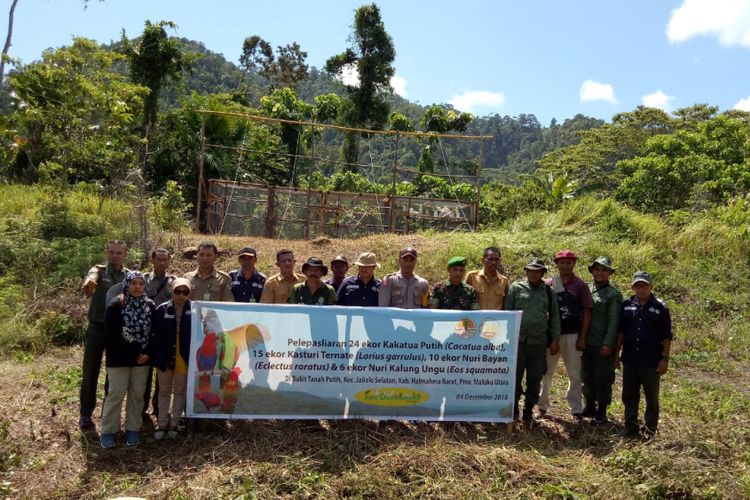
127,324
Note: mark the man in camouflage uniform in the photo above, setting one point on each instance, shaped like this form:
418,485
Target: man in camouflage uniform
454,293
98,281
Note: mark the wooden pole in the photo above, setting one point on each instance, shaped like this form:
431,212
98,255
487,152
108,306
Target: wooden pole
309,182
479,185
392,208
199,199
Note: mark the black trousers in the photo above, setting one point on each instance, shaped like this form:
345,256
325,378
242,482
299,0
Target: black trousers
633,379
532,360
598,375
93,351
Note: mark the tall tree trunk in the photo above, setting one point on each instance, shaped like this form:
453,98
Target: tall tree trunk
7,41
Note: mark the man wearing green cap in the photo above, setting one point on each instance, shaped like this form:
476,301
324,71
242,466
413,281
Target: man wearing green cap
598,358
455,293
540,327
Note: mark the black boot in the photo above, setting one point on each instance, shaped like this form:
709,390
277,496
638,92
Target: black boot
589,410
600,418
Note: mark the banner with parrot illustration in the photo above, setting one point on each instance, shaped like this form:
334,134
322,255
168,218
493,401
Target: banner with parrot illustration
253,361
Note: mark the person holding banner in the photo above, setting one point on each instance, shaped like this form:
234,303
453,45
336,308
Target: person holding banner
404,288
491,286
247,282
208,283
277,288
312,291
363,288
127,325
455,293
540,327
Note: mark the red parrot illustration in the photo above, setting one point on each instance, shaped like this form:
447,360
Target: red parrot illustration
230,390
206,355
209,399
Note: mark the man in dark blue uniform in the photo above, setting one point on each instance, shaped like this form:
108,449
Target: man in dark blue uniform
643,345
339,268
247,282
362,289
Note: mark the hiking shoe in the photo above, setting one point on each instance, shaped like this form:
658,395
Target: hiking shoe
588,412
648,433
159,434
172,434
107,441
132,438
600,420
85,423
540,413
578,417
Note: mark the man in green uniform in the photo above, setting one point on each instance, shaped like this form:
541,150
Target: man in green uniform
598,358
99,279
540,326
313,291
454,293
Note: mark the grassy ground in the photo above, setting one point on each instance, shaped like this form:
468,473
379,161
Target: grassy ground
703,449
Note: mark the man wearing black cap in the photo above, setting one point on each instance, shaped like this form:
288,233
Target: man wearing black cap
339,267
540,326
247,282
404,288
643,345
312,291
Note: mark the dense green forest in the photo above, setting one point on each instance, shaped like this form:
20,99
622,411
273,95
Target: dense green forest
111,114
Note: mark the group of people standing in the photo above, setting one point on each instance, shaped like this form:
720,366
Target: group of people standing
144,325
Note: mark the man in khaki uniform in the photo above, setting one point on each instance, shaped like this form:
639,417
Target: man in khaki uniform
404,288
277,287
208,283
99,279
491,286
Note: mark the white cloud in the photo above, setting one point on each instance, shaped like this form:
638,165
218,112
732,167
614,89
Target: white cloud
728,20
349,76
658,100
597,91
472,99
399,85
743,104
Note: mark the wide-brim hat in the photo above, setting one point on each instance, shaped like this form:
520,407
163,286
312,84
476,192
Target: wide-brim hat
535,264
603,261
367,259
314,262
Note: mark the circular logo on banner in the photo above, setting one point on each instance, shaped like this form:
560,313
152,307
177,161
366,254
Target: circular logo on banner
466,328
489,329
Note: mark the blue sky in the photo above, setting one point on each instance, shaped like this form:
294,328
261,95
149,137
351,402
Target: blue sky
550,58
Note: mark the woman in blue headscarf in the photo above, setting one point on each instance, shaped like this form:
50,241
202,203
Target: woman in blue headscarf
127,324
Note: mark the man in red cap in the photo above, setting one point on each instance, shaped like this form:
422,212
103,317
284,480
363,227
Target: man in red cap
574,303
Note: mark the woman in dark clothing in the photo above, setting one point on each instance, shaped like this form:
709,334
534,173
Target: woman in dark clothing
127,325
170,352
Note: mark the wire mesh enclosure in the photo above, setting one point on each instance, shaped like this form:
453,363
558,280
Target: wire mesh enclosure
412,181
277,212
